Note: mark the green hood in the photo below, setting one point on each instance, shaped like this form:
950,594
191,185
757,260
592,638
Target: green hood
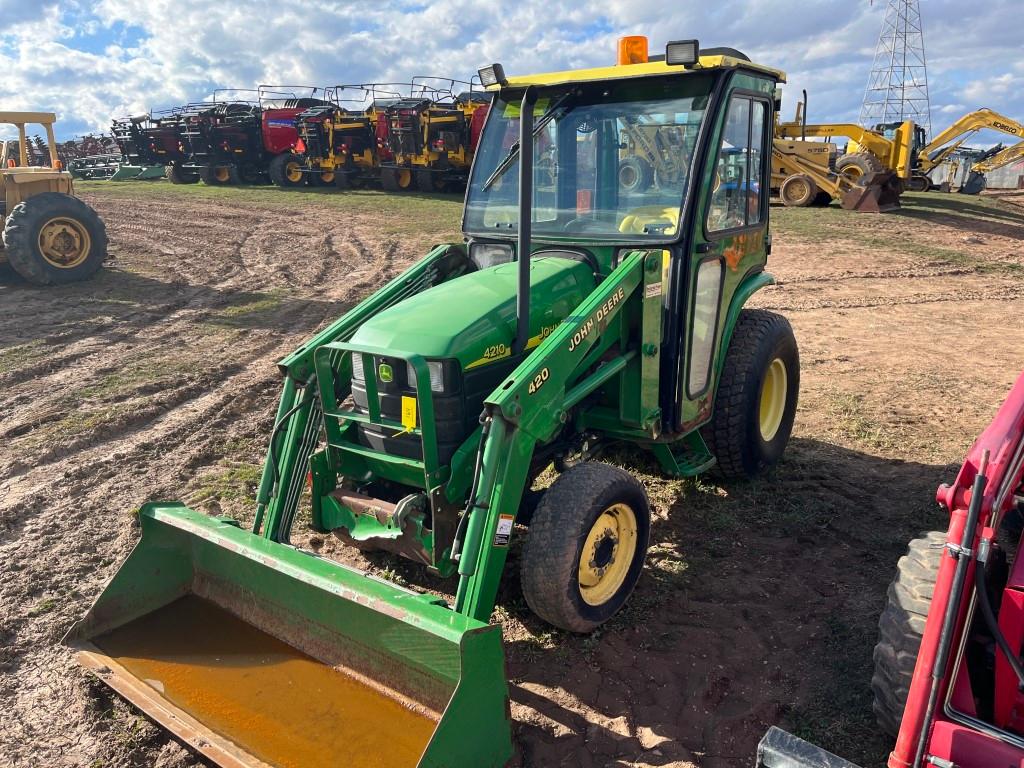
473,318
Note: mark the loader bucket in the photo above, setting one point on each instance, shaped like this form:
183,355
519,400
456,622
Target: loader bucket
259,654
879,193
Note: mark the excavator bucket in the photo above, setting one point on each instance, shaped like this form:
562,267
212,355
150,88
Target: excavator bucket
877,193
256,653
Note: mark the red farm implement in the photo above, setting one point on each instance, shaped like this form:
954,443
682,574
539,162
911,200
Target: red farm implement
949,680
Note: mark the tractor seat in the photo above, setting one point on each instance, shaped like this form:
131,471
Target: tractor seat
640,221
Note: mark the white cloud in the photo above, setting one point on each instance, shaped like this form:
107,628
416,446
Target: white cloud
90,61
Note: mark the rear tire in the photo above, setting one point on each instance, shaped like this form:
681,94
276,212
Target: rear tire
757,395
250,174
48,229
426,181
395,179
798,191
901,627
286,171
178,175
635,174
219,175
595,516
858,166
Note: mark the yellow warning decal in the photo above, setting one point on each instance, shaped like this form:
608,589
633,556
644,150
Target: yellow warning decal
408,414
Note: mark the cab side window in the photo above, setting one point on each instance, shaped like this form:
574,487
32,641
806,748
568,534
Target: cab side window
736,187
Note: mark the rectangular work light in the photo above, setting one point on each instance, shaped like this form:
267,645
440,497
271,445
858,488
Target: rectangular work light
682,52
492,75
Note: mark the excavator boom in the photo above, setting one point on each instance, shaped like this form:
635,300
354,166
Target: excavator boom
935,151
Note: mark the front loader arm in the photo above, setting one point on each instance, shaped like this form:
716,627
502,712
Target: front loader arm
529,408
298,420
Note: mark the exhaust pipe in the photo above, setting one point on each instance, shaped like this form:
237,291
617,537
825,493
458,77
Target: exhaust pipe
525,219
803,118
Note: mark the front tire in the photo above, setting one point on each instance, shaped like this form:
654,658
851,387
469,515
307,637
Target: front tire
798,191
219,175
757,395
586,546
55,238
394,179
901,627
286,170
178,175
635,174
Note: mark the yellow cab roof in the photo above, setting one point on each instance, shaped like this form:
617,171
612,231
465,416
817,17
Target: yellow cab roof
647,69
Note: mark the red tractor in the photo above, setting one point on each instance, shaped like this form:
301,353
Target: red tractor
949,680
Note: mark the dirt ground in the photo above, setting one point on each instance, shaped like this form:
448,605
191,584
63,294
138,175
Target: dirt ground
759,602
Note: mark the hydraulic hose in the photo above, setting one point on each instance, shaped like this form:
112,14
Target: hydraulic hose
963,555
981,586
277,428
460,531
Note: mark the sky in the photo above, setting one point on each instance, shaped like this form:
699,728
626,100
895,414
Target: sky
92,60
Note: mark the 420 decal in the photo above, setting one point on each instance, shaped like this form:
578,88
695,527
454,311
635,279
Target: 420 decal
539,380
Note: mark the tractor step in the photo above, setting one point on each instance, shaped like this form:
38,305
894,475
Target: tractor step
687,458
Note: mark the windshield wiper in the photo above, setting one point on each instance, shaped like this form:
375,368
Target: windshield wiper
513,151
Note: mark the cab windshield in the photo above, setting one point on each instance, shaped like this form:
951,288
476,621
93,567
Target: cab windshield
611,160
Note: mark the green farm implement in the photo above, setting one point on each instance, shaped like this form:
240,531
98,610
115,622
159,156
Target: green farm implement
578,312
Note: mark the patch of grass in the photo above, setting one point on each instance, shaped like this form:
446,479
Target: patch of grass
853,420
21,355
231,481
395,214
43,606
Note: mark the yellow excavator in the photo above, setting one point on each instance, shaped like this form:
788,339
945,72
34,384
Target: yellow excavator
999,157
935,152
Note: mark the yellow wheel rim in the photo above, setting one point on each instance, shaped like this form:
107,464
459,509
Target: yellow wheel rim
64,242
221,173
293,172
773,399
627,176
797,190
404,178
327,177
607,554
853,173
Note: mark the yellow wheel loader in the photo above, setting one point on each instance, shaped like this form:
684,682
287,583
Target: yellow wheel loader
867,152
49,235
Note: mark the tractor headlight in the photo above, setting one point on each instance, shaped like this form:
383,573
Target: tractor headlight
684,52
492,75
436,369
490,254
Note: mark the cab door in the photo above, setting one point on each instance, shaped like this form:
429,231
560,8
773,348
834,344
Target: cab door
729,241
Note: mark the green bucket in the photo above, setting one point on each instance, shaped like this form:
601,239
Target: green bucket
256,653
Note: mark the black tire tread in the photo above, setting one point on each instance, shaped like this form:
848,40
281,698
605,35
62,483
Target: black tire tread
549,554
19,242
725,435
868,163
276,171
901,626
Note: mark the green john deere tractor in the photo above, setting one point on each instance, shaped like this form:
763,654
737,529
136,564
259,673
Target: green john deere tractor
577,312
